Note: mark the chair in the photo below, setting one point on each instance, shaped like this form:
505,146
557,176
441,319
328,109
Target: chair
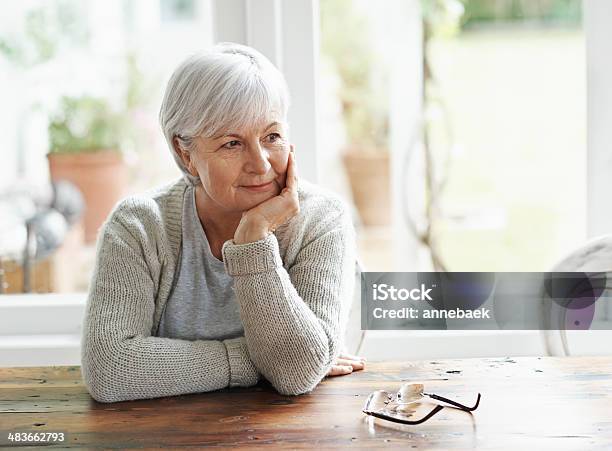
593,256
354,336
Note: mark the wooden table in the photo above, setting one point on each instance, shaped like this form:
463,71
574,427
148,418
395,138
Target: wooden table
527,403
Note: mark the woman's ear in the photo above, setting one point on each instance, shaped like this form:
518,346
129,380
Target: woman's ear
185,156
177,149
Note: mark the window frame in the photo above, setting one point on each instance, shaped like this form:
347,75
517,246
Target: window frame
295,49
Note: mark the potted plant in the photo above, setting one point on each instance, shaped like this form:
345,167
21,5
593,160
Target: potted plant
364,109
84,137
366,160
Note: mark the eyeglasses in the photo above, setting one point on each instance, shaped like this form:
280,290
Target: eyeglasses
404,405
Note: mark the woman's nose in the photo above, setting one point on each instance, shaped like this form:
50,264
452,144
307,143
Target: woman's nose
258,160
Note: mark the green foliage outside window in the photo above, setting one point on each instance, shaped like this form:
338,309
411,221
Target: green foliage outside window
84,124
540,11
346,42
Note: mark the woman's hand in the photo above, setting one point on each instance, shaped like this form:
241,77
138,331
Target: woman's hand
257,222
346,364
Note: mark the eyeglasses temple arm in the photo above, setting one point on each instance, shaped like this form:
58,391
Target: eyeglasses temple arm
399,420
454,403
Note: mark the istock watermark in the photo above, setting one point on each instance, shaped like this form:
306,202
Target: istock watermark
485,301
382,292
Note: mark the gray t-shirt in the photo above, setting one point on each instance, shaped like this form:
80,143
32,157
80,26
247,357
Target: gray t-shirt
202,305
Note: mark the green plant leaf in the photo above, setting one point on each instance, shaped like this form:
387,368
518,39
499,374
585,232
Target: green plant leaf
84,124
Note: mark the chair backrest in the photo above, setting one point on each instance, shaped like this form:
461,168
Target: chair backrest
354,336
594,256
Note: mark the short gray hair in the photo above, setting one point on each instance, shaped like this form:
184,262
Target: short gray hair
228,86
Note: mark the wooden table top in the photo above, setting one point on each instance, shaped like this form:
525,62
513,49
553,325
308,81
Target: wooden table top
528,403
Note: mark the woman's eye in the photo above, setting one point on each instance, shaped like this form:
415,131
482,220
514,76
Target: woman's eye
273,137
231,144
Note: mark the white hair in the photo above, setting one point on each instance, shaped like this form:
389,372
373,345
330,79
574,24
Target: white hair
229,87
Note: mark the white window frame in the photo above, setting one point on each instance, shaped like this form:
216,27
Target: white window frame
288,34
598,33
289,37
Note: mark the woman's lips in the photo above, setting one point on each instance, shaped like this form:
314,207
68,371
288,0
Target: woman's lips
259,188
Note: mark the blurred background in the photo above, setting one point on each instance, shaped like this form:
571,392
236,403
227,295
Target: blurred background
457,129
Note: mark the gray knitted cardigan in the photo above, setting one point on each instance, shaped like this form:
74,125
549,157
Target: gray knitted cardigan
294,289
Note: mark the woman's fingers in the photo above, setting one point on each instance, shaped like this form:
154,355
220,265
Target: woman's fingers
340,370
346,364
289,194
355,364
291,182
277,210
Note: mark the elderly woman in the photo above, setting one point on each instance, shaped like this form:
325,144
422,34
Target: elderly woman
236,271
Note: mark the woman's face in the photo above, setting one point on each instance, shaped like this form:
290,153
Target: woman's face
240,169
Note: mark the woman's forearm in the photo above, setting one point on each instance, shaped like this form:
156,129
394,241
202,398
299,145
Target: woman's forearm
121,360
150,367
293,334
286,341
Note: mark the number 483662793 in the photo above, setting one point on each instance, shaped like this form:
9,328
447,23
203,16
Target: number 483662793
36,437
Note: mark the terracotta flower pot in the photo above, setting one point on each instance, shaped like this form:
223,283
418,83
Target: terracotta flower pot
368,174
102,178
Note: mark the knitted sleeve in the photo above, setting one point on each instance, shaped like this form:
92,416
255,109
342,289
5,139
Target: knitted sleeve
120,359
293,318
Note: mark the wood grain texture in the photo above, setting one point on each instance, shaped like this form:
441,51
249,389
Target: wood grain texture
527,403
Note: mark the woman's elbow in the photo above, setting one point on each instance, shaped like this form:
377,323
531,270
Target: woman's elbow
103,396
99,382
297,373
295,388
100,390
298,381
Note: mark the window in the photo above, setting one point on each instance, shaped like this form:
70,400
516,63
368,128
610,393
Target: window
177,10
496,157
481,56
78,76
